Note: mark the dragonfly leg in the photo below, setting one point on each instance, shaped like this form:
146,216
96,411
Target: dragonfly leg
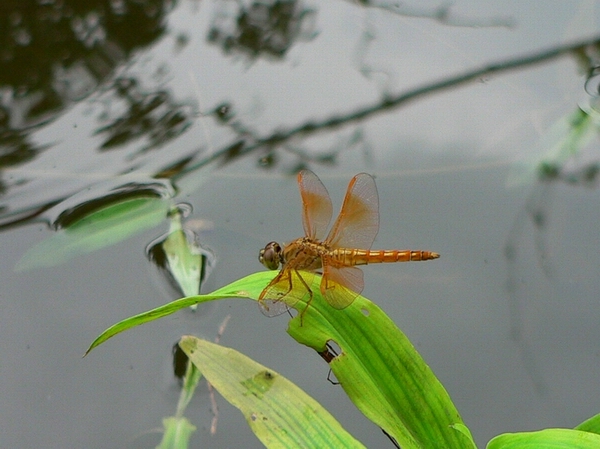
310,293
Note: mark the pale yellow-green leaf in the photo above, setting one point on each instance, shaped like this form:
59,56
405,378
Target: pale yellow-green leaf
177,433
546,439
279,413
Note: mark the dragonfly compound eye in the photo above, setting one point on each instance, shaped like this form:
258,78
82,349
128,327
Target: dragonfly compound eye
270,256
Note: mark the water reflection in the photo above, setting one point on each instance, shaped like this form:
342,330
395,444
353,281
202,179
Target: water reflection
562,162
53,53
86,43
155,116
97,218
263,28
56,54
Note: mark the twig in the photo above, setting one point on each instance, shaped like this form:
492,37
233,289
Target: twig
211,391
391,102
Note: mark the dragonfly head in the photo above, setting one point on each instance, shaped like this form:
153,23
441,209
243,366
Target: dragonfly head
271,256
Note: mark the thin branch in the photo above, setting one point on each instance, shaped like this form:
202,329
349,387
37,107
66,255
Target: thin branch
441,14
395,101
211,391
392,102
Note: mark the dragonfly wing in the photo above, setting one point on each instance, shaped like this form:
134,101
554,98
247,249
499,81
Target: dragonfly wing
316,205
358,222
341,285
273,308
284,291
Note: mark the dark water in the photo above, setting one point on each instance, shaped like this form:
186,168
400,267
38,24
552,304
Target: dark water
214,105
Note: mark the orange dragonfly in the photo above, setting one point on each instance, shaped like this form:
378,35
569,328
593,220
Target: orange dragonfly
347,245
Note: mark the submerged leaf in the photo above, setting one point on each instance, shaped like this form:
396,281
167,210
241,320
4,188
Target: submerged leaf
177,433
98,230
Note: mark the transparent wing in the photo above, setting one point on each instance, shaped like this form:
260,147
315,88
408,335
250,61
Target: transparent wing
316,205
358,222
284,291
341,285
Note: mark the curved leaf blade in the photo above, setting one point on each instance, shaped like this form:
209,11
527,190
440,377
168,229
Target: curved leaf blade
590,425
547,439
382,373
248,287
378,367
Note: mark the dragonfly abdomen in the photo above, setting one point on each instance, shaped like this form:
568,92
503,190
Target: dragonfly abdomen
350,257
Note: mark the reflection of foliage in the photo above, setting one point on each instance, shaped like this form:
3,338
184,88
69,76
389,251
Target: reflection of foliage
246,141
569,136
586,176
576,131
264,27
564,142
154,115
36,41
561,145
15,149
52,53
269,158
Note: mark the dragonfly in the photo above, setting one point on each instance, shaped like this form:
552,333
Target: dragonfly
335,255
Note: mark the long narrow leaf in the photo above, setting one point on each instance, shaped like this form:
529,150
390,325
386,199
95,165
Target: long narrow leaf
378,367
546,439
280,414
382,373
248,287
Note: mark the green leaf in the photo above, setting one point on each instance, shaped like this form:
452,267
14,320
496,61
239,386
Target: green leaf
177,433
546,439
590,425
177,429
279,413
190,382
248,287
184,257
382,373
378,367
99,229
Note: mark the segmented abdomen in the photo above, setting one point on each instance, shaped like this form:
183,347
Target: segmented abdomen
351,257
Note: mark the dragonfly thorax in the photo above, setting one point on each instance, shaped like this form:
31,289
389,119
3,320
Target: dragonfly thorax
304,253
